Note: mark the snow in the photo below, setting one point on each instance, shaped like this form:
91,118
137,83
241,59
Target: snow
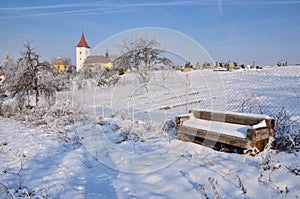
231,129
260,124
90,160
59,170
241,114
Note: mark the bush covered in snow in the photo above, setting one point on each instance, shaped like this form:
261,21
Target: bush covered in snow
287,129
287,132
61,114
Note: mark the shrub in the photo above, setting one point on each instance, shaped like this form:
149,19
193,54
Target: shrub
287,133
59,115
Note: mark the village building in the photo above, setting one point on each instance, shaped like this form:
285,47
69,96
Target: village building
60,65
2,78
99,60
83,57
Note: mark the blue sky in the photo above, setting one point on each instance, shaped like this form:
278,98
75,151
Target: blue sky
243,31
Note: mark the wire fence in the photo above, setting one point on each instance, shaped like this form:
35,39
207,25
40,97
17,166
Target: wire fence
266,91
271,91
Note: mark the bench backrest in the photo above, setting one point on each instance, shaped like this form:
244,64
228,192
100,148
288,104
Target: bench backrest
238,118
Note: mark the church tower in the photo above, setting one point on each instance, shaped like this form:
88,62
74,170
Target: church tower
82,52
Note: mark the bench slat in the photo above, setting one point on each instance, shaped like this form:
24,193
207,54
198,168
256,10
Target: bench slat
217,137
231,118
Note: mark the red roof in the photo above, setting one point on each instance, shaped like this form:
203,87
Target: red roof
82,42
97,59
59,61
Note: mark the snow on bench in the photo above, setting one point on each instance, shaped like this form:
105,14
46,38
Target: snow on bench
235,129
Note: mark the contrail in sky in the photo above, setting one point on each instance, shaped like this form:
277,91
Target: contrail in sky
120,6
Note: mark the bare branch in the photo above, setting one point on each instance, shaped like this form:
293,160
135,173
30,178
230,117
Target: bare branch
139,53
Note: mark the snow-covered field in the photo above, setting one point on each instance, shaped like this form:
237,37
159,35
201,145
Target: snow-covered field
93,159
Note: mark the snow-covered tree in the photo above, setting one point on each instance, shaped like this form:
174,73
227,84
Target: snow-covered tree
31,76
165,74
141,54
106,78
5,64
98,75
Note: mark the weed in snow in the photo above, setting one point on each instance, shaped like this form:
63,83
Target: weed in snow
242,188
213,183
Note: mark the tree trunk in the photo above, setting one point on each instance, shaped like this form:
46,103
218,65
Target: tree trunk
102,103
37,95
36,89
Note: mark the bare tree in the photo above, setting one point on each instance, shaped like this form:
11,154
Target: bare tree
62,78
165,74
31,76
106,78
6,67
141,54
99,75
6,62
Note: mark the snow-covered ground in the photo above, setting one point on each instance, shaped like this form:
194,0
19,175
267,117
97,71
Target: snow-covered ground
95,160
36,161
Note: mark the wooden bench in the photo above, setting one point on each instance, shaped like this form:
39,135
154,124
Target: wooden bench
214,128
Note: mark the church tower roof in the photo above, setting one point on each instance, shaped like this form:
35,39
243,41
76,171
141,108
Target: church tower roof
82,42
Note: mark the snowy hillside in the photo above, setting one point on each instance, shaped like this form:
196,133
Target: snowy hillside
118,158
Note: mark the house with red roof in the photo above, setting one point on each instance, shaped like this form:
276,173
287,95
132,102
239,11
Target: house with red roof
2,78
83,57
60,65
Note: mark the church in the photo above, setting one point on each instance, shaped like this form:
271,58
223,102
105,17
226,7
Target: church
83,57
